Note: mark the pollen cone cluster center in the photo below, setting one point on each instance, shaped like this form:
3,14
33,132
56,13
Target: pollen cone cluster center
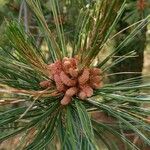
73,82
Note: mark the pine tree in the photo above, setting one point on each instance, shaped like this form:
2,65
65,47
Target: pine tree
136,10
58,95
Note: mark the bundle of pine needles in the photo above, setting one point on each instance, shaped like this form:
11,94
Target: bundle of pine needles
57,97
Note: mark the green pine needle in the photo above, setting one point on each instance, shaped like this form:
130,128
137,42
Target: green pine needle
40,120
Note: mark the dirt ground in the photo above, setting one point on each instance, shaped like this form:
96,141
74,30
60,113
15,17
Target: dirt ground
146,69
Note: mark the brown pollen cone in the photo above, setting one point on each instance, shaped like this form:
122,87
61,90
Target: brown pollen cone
72,82
141,4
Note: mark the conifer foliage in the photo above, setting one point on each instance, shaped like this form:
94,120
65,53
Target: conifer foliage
58,96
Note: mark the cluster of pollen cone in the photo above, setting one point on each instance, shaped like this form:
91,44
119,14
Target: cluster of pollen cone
71,81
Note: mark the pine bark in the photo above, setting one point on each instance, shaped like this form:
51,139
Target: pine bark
134,65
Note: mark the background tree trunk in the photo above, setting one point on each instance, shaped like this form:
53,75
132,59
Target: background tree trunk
133,64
